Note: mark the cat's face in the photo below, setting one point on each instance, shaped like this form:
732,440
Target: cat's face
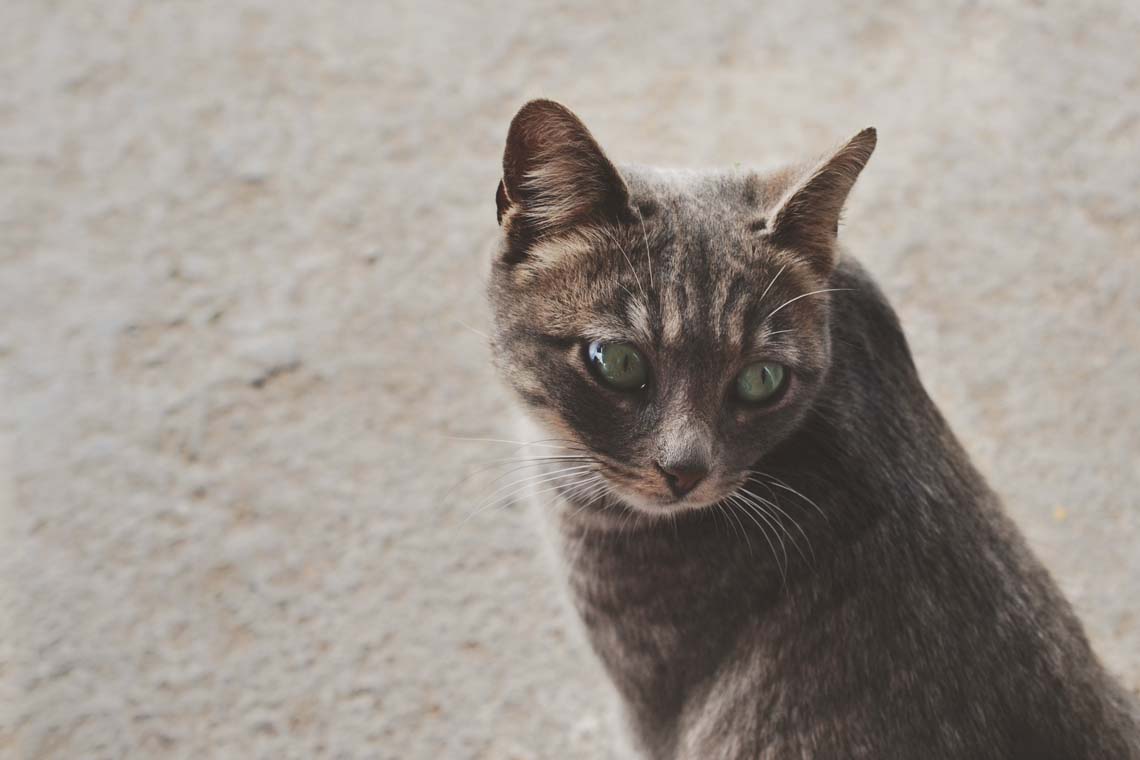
672,327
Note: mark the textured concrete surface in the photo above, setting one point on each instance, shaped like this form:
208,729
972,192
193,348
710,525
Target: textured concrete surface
240,248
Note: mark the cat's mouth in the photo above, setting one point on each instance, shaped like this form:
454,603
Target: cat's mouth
652,493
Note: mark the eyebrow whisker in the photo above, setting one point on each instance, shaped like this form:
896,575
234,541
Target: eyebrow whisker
804,295
627,261
645,235
773,282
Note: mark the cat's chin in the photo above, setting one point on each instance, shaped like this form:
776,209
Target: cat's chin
628,515
662,506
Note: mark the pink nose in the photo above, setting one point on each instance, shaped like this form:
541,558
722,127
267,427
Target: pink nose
683,478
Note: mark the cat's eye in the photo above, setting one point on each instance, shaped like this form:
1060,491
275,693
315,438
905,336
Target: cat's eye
761,382
618,365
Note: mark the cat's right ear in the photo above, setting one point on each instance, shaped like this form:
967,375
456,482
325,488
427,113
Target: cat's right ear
555,178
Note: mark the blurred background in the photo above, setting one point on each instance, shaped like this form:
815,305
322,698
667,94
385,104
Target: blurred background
243,249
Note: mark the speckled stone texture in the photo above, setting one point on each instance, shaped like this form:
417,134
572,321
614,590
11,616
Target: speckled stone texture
241,245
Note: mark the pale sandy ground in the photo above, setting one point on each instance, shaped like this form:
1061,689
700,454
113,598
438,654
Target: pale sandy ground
238,243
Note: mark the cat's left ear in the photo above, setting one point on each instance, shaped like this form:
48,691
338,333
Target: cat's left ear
807,218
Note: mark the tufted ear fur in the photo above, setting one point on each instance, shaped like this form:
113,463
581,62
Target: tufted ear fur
807,218
555,177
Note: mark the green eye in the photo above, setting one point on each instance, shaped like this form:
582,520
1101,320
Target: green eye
760,382
618,365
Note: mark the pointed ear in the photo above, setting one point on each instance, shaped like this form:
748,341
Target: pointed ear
555,176
807,218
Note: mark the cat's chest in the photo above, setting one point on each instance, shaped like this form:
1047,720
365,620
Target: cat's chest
661,611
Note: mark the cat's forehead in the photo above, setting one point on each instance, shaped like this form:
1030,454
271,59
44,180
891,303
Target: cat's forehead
726,195
706,230
692,269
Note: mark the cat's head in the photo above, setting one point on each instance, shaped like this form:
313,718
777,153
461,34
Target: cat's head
670,325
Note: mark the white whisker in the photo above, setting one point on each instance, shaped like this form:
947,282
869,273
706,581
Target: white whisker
780,509
592,494
627,261
510,497
770,520
781,484
552,458
522,484
645,236
804,295
558,487
579,489
735,499
522,464
743,531
542,443
773,282
461,323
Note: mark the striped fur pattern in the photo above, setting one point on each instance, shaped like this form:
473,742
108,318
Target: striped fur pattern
842,583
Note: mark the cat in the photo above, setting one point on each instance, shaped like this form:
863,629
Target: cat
776,545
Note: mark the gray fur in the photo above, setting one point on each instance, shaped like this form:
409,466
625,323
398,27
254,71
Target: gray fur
877,602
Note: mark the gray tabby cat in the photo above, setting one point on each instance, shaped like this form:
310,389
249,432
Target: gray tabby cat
776,544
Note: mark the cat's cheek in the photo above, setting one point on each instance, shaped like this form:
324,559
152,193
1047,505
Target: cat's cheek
548,423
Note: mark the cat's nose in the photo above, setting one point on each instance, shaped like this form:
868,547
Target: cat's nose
683,478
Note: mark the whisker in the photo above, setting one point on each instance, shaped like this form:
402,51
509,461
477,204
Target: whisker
624,520
545,475
735,515
550,489
719,510
781,484
628,292
735,499
604,492
792,538
592,495
627,261
579,489
542,443
645,236
636,520
804,295
773,282
572,554
728,514
480,333
551,458
508,498
522,483
522,464
770,520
